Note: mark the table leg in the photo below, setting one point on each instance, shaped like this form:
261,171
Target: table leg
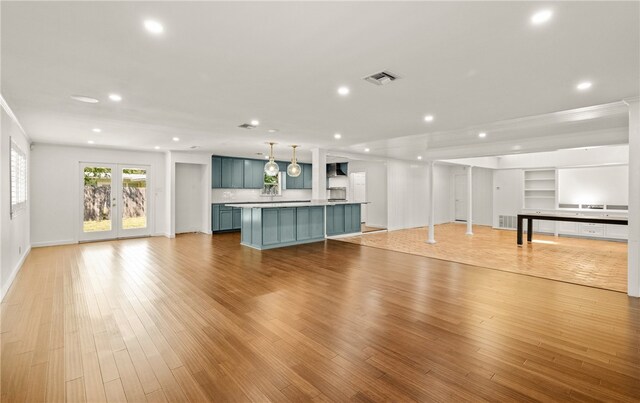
519,230
529,229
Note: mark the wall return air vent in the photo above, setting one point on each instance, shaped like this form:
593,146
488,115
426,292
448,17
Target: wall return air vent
247,126
382,78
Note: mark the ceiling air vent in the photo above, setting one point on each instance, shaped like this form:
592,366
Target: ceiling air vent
247,126
382,78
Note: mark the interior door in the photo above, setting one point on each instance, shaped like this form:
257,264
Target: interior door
113,202
360,192
460,183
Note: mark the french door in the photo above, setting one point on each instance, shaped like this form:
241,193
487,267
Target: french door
113,201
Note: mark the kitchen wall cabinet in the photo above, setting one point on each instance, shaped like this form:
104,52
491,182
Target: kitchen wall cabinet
238,173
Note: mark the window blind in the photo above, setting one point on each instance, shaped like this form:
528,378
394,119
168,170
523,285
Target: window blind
18,179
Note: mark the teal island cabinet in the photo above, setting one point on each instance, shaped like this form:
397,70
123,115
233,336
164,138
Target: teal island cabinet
278,225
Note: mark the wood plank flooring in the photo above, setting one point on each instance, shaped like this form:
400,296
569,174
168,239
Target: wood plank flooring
201,318
595,263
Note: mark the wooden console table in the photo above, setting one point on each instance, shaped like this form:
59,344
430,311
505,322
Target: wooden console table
563,217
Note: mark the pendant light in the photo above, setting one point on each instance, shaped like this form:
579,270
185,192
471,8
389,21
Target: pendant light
293,169
271,168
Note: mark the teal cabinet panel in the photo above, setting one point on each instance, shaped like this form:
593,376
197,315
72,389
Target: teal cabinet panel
287,221
245,228
330,215
316,222
253,174
347,219
237,174
215,217
270,233
226,173
216,172
344,167
356,217
307,173
338,219
303,227
236,218
226,220
256,226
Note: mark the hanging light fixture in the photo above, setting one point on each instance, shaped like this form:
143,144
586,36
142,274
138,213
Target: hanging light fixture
293,169
271,168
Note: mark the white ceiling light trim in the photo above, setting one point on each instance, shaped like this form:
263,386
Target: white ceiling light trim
344,91
541,17
337,136
115,97
153,26
255,122
176,139
482,135
428,118
96,130
585,85
85,99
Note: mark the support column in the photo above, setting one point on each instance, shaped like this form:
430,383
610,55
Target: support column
633,273
432,206
319,169
469,200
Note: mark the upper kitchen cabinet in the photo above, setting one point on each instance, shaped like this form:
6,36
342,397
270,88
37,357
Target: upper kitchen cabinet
253,174
307,174
216,172
232,173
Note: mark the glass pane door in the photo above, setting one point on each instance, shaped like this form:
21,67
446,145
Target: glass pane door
98,202
134,200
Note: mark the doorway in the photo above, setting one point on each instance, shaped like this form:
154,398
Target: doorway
189,197
114,201
460,197
360,192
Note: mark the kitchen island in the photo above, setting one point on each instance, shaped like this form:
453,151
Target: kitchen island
275,225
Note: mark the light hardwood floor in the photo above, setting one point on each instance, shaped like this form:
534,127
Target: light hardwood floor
595,263
200,318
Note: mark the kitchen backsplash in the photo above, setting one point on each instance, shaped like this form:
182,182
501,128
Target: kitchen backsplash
241,195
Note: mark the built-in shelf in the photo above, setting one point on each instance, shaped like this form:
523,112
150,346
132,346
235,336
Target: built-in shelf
540,189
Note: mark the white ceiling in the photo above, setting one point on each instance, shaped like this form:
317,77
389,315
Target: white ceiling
218,65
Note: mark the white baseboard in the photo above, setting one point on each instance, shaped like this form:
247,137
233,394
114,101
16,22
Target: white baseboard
54,243
14,273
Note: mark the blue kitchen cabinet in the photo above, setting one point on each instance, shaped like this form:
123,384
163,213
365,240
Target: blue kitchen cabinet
226,218
287,223
307,174
216,172
303,227
253,174
236,220
316,222
215,217
232,172
343,219
270,223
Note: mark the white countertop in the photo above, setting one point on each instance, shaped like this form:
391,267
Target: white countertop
301,204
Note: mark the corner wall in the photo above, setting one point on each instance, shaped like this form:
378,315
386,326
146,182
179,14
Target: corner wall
14,232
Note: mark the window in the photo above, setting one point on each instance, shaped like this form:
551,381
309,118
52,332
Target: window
18,180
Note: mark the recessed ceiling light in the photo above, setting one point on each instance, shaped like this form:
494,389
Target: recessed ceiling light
482,135
153,26
428,118
366,150
337,136
585,85
115,97
343,90
255,122
541,17
91,142
96,130
85,99
266,157
176,139
272,130
157,147
419,157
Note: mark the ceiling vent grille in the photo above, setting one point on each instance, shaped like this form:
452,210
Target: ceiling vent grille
247,126
382,78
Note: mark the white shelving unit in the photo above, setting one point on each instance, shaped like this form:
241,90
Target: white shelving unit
540,189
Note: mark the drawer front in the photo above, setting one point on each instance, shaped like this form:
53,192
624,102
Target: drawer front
568,228
592,230
617,231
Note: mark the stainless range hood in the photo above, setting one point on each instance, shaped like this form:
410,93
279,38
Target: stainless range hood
334,170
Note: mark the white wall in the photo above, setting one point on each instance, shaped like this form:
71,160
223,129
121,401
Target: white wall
443,188
407,195
14,232
597,185
507,193
376,187
482,194
189,197
55,189
618,154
